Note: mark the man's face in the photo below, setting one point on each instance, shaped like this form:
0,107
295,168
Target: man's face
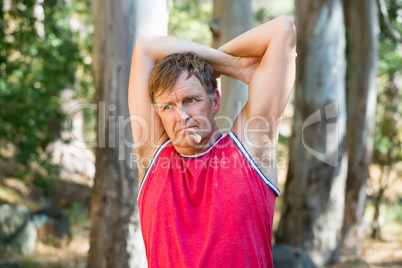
187,112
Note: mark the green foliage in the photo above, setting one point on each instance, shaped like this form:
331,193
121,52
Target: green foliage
390,60
78,213
388,133
39,57
189,19
394,212
81,12
265,12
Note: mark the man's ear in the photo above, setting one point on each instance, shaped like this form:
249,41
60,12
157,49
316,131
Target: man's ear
217,101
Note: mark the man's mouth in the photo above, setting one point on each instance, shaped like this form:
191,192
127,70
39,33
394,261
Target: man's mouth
186,128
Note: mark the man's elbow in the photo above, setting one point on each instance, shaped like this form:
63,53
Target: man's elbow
288,29
288,24
139,44
144,42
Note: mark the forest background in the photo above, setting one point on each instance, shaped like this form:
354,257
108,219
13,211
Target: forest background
60,94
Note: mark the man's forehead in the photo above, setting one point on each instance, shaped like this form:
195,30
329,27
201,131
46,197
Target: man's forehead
166,96
178,92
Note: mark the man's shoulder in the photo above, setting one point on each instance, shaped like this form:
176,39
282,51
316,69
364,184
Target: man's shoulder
261,149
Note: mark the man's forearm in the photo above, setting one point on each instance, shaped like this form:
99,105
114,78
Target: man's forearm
255,42
158,47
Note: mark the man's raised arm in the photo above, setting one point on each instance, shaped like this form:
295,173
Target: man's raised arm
271,80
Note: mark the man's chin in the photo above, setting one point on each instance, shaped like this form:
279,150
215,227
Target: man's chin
185,141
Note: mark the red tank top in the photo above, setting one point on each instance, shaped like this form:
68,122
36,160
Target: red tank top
213,210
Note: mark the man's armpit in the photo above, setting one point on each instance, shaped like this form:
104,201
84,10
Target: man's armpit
260,132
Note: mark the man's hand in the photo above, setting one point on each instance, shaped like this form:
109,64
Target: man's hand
247,66
242,67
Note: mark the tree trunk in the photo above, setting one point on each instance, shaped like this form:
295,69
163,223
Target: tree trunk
312,211
361,19
230,18
115,239
376,224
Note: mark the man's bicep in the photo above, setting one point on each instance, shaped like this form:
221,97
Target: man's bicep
272,81
146,125
269,91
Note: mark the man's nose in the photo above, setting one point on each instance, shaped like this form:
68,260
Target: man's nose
182,114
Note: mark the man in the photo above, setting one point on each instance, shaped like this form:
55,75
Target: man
206,199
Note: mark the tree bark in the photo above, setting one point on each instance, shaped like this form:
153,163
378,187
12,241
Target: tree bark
376,224
361,19
115,239
394,34
230,18
312,211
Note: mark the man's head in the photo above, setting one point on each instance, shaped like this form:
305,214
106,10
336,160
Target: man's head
167,71
183,91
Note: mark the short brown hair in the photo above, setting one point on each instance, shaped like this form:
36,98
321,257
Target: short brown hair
166,72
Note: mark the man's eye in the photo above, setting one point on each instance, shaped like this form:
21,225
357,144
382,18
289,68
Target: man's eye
190,100
167,107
